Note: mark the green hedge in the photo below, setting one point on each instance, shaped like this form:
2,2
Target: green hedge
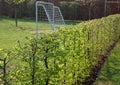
64,56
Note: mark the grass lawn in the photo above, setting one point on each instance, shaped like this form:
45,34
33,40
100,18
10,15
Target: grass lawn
110,73
9,34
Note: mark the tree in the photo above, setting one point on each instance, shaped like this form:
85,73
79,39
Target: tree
1,7
89,4
15,2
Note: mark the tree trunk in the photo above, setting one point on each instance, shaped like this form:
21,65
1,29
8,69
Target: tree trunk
33,70
1,7
89,12
16,21
4,72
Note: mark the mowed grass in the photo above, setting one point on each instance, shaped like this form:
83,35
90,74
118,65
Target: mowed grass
10,34
110,73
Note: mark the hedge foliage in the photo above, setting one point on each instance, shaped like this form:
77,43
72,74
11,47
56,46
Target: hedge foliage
62,57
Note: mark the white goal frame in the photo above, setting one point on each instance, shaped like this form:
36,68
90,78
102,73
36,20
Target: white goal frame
56,7
51,21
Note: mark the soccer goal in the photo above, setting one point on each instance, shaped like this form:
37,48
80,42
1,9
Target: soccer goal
48,14
58,18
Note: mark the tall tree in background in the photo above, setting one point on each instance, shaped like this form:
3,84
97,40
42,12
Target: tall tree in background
15,2
1,7
89,4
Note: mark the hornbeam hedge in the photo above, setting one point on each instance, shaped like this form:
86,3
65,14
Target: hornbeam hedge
62,57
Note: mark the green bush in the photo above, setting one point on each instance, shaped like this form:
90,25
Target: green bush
66,55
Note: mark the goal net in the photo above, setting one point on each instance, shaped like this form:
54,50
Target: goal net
48,15
58,18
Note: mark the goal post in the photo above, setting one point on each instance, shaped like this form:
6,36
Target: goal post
58,18
47,12
43,13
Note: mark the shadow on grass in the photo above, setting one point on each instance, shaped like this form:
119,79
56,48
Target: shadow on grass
110,73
